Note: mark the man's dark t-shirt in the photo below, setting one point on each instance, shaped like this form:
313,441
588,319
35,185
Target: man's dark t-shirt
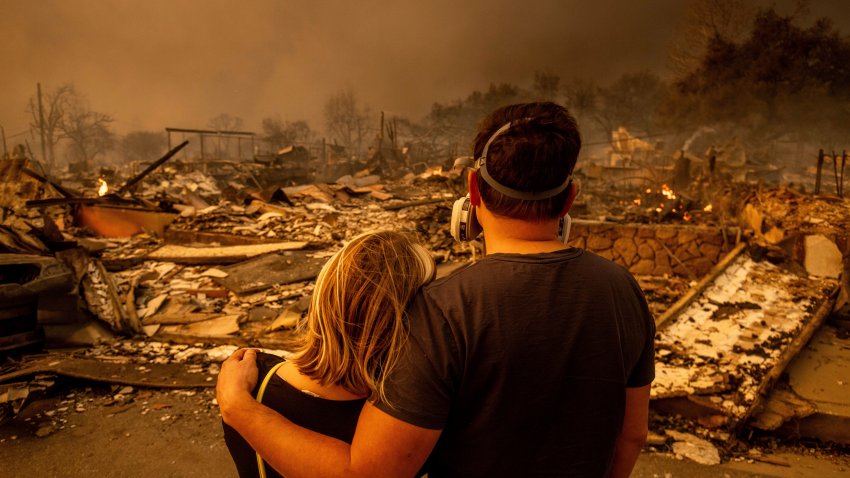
523,360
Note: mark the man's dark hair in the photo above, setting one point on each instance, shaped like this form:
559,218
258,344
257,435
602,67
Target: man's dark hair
538,152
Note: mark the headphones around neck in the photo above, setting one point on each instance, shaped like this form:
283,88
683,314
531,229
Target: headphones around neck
465,226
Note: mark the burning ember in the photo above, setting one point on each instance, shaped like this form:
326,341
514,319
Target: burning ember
102,188
663,204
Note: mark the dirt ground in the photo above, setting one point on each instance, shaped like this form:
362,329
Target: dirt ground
96,430
164,433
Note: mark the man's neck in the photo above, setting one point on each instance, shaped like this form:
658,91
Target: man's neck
515,236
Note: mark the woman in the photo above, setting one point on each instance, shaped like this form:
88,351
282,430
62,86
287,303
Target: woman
351,339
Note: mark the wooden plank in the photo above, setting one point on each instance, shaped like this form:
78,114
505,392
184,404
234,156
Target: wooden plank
139,375
261,273
170,319
181,237
421,202
218,255
215,327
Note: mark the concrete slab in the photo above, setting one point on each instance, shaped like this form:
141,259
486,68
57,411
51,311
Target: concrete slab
820,374
823,258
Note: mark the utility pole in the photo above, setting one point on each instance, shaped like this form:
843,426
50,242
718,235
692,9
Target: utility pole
41,127
3,133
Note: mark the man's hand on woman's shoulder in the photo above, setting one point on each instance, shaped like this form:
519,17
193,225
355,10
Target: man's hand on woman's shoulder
237,380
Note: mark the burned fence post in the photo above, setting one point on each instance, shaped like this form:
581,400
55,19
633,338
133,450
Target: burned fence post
41,128
819,170
835,173
3,134
132,181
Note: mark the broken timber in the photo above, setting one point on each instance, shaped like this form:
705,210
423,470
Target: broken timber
181,236
421,202
218,255
132,181
147,375
264,272
58,187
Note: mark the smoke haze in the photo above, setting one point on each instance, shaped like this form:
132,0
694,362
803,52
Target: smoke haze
179,63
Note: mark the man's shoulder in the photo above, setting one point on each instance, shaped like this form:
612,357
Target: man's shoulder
490,267
595,261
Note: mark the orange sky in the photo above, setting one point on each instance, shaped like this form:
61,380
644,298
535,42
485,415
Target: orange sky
163,63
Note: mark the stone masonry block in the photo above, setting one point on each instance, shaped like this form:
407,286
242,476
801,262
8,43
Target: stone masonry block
626,248
599,243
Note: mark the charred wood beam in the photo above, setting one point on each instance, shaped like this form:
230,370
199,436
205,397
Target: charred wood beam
105,200
835,171
132,181
65,192
423,202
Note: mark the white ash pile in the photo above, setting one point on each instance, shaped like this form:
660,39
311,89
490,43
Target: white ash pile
167,181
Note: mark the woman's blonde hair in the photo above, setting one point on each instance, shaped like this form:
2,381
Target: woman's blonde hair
355,326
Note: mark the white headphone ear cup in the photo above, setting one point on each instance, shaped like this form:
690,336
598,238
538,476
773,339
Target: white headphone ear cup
460,213
464,226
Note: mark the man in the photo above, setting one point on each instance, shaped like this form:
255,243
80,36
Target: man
535,361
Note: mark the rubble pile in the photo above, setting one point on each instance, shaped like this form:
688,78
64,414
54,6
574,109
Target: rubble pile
241,272
168,182
779,218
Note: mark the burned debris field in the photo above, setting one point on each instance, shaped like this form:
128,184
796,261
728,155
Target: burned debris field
135,259
151,289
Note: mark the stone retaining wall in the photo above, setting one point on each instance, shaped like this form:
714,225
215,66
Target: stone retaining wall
653,249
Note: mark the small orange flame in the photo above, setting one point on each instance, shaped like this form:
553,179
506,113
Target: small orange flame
103,188
667,192
686,216
637,201
707,208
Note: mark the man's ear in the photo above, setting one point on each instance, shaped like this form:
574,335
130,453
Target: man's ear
474,194
571,197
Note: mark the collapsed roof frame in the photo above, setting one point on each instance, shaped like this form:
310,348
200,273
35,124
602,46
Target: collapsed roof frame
202,133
